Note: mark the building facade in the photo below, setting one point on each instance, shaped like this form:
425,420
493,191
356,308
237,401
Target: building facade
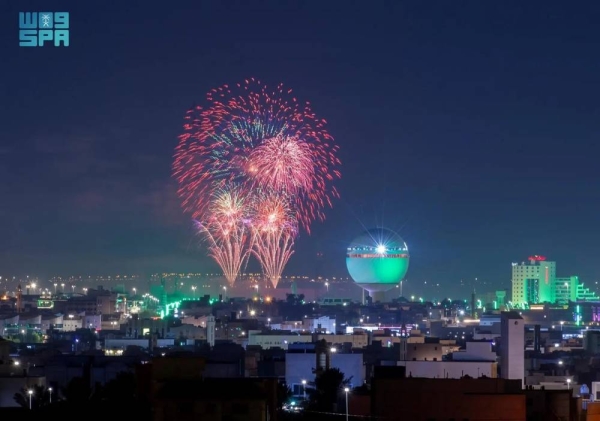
533,282
536,282
512,346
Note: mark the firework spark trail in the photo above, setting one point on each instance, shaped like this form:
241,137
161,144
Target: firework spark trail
226,232
259,138
274,228
283,163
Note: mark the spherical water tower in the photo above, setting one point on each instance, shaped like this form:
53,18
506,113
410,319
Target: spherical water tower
377,261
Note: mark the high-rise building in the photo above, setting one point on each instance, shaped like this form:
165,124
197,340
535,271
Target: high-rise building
512,346
536,282
565,289
533,282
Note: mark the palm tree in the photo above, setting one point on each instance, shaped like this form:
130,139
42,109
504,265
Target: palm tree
327,387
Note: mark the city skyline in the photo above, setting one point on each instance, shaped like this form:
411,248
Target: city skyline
453,135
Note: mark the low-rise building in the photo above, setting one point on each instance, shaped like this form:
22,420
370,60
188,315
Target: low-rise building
279,339
422,399
475,351
450,369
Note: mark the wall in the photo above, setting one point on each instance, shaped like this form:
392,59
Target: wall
449,369
476,351
267,341
424,352
357,341
512,346
427,399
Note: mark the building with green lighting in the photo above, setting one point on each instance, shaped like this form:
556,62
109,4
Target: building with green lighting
535,282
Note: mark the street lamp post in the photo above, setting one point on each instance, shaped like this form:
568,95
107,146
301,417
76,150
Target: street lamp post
30,393
346,390
50,391
194,290
304,388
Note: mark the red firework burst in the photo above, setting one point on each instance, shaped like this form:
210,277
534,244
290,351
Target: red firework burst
259,138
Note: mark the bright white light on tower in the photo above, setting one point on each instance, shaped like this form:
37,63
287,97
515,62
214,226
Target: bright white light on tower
380,249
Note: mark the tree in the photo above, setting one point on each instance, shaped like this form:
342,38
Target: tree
284,394
78,391
39,398
328,386
121,389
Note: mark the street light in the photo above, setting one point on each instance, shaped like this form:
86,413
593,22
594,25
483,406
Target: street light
30,393
194,290
50,391
304,388
346,390
327,286
568,383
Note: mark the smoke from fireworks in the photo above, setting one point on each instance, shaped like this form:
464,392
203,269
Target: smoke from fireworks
226,232
261,140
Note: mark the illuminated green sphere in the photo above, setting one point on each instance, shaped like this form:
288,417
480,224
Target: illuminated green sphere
377,260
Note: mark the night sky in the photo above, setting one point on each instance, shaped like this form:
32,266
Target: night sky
469,127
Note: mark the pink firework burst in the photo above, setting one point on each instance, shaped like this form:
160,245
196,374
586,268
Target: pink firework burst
274,228
226,232
283,163
259,138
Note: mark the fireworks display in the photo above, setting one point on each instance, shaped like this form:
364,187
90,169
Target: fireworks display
275,151
226,231
274,227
